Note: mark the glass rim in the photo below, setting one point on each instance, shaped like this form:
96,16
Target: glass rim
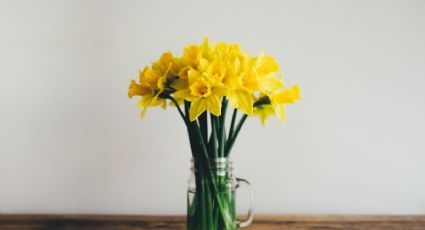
215,164
215,160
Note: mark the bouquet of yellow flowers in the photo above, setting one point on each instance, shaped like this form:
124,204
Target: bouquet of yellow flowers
200,84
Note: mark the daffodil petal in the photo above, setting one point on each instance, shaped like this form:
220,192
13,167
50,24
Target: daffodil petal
220,90
288,96
184,94
197,108
193,75
214,105
245,101
280,112
270,83
232,98
139,90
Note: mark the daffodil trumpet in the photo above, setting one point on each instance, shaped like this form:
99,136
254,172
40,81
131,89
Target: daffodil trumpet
201,84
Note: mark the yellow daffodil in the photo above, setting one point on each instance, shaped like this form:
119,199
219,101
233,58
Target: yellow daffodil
149,89
150,77
167,64
192,54
203,94
265,65
242,84
207,74
139,89
264,112
281,98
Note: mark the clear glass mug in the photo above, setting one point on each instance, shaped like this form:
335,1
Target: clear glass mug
211,196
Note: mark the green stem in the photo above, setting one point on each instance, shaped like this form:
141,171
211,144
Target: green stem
192,138
209,207
222,127
224,213
232,138
213,143
203,123
209,193
232,124
204,217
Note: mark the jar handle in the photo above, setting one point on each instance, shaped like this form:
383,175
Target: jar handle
250,216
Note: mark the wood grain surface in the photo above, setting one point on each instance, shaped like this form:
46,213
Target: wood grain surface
105,222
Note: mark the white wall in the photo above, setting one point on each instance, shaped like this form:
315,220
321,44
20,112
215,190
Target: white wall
72,142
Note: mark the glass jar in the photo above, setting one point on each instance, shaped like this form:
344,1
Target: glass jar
211,196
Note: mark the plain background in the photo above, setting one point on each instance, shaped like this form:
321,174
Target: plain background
72,142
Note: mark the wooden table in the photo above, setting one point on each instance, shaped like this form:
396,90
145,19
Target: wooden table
114,222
